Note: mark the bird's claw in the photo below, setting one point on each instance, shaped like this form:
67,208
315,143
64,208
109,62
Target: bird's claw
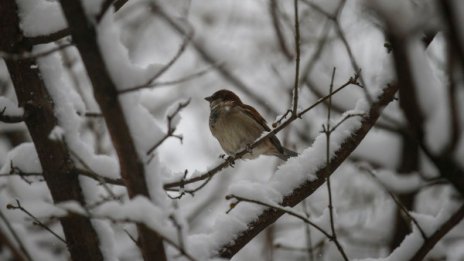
249,149
222,156
231,161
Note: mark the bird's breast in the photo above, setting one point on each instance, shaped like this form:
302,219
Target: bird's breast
234,129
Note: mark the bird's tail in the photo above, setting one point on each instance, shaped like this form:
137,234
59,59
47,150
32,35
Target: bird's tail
286,154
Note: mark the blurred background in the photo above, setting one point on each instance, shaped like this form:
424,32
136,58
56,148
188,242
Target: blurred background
248,47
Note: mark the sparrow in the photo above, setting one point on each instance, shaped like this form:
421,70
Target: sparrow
237,125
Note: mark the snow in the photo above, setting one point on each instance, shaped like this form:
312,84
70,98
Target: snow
40,17
400,184
136,42
414,240
254,190
10,108
428,90
288,177
67,104
106,239
23,157
123,71
92,7
56,134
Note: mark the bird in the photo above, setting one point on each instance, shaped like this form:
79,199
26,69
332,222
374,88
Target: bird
236,126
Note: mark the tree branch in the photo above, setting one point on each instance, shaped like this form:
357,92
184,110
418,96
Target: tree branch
54,157
274,12
132,169
239,155
24,252
10,119
438,235
269,216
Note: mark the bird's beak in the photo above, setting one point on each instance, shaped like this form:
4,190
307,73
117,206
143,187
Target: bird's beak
208,98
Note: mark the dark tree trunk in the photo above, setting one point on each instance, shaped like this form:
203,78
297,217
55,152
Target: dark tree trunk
58,168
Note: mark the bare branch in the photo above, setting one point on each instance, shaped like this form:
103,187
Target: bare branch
291,213
43,39
170,129
296,84
328,132
10,119
90,173
20,243
149,83
341,35
268,216
209,58
439,234
173,82
397,201
14,170
274,11
284,209
35,219
32,55
132,169
169,241
239,155
100,178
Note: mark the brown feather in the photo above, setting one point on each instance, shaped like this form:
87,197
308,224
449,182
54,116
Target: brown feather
235,125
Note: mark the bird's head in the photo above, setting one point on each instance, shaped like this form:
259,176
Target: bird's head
223,96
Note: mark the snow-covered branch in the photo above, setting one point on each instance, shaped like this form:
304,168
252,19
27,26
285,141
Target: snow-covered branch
300,191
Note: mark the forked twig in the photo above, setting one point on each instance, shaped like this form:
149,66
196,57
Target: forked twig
170,129
36,221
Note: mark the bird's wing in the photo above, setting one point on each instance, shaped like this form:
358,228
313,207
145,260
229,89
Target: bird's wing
255,115
250,111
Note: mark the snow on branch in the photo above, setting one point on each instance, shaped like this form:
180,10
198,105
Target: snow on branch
108,68
299,183
172,186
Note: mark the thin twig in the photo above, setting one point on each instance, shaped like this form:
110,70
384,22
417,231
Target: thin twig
100,178
185,78
239,155
274,11
284,209
396,200
132,238
328,132
170,129
93,114
9,118
455,219
191,192
308,233
92,173
178,227
31,55
16,237
265,217
208,57
297,62
149,82
36,220
341,35
126,220
345,118
16,171
311,250
117,4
